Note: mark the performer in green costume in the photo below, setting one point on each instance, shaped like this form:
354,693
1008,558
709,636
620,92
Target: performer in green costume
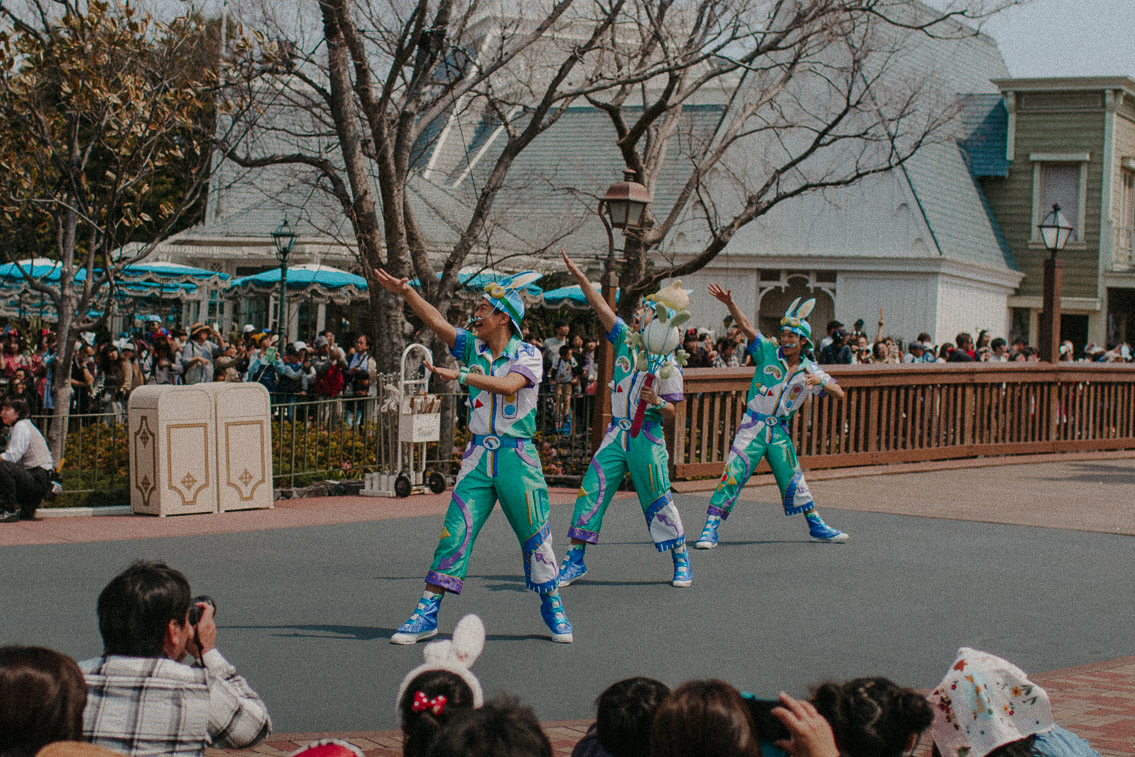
501,463
782,380
642,455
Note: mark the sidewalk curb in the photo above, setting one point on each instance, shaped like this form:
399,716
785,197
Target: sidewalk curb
80,512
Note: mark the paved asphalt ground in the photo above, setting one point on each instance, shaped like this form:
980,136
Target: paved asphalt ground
306,611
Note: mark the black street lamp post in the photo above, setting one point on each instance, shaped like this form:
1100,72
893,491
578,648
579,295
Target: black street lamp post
284,239
622,207
1055,231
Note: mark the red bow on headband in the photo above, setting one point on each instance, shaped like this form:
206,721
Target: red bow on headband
422,703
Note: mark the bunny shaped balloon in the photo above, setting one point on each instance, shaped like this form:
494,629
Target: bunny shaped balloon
659,338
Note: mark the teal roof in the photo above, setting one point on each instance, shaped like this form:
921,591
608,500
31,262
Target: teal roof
985,134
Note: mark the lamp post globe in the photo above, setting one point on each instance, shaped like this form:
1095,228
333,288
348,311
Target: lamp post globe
284,239
1055,231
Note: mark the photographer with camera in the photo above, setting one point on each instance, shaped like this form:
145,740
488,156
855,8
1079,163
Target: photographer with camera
141,698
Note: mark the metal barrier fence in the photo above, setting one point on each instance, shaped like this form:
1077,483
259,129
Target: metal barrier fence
313,440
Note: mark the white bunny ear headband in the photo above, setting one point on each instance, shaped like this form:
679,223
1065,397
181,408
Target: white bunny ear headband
455,655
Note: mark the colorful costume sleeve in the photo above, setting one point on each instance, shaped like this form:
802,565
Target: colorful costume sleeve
618,333
529,363
463,346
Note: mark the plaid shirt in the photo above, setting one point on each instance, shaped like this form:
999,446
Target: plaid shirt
153,706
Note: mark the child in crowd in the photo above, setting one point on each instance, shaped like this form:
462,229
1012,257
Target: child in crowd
987,706
502,728
703,717
624,714
432,693
869,717
565,378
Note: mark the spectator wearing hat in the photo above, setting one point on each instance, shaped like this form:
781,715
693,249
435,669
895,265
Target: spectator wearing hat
918,352
199,353
988,706
155,329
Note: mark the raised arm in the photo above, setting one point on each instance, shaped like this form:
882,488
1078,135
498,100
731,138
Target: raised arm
742,320
594,298
430,315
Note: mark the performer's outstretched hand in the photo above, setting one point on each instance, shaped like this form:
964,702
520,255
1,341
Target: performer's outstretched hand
445,374
594,298
811,734
392,284
724,295
573,269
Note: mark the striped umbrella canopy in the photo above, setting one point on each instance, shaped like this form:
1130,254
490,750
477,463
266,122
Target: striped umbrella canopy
15,275
164,273
477,281
320,283
567,297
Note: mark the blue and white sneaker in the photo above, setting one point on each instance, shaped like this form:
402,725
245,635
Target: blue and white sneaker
422,623
683,574
820,531
572,568
552,611
708,538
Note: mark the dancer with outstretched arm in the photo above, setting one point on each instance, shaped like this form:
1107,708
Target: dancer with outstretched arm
782,380
501,464
643,454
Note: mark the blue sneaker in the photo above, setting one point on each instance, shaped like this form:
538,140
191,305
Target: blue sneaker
683,575
572,568
552,611
708,538
422,624
820,531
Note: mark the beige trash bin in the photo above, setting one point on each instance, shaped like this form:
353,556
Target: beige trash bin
244,445
173,455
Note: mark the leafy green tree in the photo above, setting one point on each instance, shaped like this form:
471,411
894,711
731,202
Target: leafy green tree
106,138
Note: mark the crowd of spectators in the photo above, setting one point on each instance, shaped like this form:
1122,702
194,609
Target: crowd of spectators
853,347
161,687
104,371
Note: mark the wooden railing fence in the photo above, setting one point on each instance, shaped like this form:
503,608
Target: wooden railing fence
913,413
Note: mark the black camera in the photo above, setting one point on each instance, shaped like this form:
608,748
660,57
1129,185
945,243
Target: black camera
195,609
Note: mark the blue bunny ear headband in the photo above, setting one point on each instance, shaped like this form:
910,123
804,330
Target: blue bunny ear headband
793,319
504,295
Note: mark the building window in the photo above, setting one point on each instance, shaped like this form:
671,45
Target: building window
1060,178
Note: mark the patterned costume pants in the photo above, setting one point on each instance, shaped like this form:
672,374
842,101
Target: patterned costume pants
508,470
758,438
646,459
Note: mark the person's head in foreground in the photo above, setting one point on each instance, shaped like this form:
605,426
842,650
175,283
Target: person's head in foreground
987,707
703,717
625,713
438,690
42,696
503,727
